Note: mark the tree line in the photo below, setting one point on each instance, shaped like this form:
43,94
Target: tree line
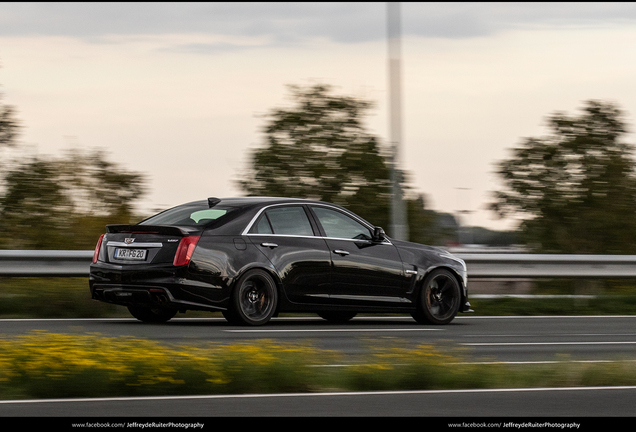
573,190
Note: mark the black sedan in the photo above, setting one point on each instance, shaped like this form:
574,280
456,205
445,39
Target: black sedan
251,258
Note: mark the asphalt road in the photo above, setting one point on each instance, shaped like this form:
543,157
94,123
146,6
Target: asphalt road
540,404
509,339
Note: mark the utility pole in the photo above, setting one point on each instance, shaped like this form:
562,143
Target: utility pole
468,238
399,228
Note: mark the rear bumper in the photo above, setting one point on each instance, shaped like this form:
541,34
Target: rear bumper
133,296
148,296
157,287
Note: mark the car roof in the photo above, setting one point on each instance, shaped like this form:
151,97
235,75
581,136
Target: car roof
248,201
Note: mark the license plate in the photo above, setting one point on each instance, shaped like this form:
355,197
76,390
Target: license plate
130,254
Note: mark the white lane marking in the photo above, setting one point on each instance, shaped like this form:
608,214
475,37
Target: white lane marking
495,362
549,334
131,319
303,318
541,362
547,343
279,395
348,330
541,316
63,319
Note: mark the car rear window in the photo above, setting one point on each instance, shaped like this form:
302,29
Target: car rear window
186,216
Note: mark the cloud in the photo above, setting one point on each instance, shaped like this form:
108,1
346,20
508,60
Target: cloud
282,20
295,22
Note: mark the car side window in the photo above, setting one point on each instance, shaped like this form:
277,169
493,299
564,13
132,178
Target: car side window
284,221
262,226
339,225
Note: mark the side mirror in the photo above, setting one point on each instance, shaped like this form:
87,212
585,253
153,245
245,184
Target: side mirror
378,235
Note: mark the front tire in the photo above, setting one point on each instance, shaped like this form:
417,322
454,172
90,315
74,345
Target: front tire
439,298
254,299
152,315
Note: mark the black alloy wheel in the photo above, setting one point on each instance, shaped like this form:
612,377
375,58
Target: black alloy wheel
254,299
439,298
152,315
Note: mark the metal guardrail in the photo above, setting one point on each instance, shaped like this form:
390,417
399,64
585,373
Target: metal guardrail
49,263
60,263
484,266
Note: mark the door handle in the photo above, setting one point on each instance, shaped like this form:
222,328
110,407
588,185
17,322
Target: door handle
269,245
341,252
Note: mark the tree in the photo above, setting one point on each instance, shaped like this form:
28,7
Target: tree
34,208
9,126
99,187
65,203
576,188
319,148
427,226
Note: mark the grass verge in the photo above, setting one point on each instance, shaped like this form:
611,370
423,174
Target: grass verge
51,298
613,304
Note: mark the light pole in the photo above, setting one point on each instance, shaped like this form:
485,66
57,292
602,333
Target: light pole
398,226
469,235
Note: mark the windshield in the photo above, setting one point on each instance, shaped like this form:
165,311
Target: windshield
186,216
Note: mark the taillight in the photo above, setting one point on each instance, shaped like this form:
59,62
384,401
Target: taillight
97,248
185,250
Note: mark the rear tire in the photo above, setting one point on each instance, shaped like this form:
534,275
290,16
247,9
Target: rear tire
152,315
254,299
439,300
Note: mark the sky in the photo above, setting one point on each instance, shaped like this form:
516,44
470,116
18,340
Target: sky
179,91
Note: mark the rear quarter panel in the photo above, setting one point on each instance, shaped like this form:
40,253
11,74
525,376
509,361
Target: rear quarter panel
218,261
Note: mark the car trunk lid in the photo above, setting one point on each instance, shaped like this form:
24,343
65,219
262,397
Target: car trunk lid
148,244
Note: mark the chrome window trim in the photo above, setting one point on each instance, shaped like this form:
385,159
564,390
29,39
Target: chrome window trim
283,235
310,237
351,215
